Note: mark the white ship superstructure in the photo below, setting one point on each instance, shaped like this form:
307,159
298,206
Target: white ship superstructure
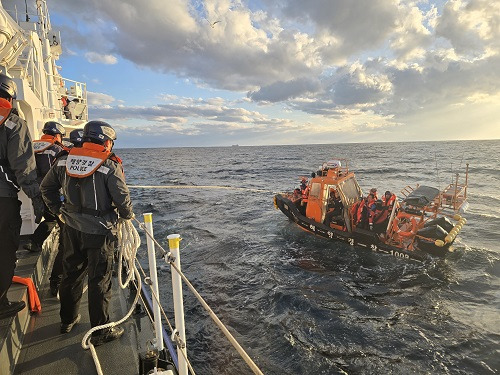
29,50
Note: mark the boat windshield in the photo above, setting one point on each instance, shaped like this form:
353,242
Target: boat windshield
350,189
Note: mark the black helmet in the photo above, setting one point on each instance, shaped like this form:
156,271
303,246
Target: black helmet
8,88
53,128
76,137
98,132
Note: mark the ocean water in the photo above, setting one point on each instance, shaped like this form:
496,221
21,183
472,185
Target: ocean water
300,304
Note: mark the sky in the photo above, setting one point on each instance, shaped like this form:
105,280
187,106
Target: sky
167,73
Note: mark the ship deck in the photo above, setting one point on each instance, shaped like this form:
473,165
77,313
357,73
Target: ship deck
32,344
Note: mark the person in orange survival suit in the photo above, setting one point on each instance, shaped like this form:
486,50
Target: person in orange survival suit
46,149
95,197
17,171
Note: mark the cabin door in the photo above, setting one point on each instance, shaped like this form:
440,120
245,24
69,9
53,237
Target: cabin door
316,202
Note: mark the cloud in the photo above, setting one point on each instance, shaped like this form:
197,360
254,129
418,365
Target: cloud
367,64
354,25
94,57
280,91
186,111
472,27
99,98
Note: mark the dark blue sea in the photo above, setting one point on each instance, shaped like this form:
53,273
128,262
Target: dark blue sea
300,304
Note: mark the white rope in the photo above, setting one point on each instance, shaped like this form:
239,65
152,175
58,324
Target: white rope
128,243
199,187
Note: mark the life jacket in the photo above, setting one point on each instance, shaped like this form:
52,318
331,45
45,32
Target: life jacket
44,143
371,201
380,215
389,202
359,212
5,110
305,194
86,160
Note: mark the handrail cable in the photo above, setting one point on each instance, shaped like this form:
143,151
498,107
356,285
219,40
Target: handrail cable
214,317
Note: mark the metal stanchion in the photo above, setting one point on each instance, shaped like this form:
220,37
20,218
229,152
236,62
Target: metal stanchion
148,222
173,242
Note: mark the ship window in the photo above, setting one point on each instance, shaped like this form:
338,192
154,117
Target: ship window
315,189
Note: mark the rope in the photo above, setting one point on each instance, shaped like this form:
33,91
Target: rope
128,244
199,187
214,317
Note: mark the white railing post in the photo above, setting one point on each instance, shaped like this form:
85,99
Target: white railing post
173,243
148,222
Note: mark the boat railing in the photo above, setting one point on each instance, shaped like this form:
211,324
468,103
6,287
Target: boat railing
77,91
41,16
172,257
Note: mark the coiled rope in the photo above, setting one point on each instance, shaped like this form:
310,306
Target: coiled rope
128,243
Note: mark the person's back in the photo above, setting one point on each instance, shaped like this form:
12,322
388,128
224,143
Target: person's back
46,150
93,184
17,171
48,147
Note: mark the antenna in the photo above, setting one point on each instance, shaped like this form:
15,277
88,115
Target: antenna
27,16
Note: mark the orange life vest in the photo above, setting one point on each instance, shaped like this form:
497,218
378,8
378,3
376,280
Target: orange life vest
305,194
389,202
43,143
380,215
5,110
86,160
359,211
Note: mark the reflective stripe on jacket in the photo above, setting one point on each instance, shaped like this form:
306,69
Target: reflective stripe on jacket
17,160
89,202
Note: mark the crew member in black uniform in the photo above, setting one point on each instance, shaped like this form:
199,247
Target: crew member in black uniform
17,171
335,207
95,197
75,140
46,149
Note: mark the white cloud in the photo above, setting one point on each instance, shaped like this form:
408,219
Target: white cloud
370,65
99,98
94,57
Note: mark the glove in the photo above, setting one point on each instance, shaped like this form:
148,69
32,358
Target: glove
122,219
38,208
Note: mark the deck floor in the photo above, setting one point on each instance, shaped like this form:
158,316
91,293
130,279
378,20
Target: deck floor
45,351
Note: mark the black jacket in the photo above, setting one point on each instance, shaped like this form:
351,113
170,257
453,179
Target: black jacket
17,160
91,204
